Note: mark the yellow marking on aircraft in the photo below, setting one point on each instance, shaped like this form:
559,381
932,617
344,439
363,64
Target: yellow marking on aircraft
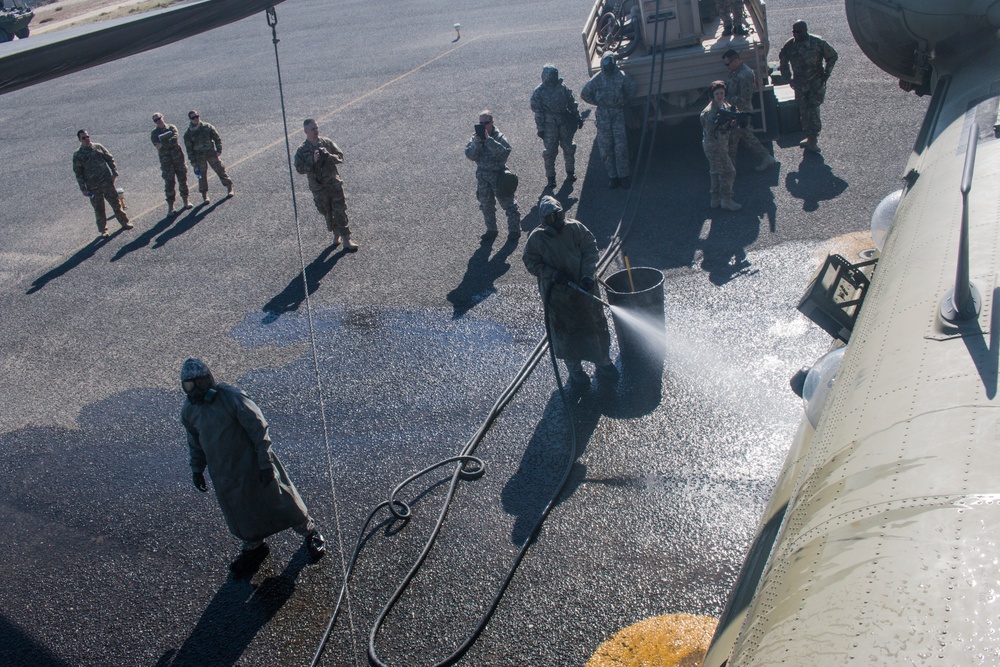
672,640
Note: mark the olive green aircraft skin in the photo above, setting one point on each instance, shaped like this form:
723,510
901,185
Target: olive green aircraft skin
880,542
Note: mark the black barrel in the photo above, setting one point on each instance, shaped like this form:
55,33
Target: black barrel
642,346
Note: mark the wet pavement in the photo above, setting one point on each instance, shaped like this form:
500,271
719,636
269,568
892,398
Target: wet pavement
110,557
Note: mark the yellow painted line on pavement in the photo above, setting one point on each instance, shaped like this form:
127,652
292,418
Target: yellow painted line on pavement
356,100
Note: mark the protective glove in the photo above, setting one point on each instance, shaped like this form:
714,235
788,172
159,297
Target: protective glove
541,135
266,476
199,481
560,278
587,283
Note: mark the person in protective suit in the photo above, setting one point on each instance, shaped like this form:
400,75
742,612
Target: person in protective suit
227,433
610,90
557,118
490,152
557,253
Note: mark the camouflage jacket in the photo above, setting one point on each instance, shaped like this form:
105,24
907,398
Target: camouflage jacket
807,60
740,86
94,166
491,154
553,103
167,145
202,139
710,133
320,172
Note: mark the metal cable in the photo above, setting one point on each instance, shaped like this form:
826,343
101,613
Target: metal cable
400,511
272,22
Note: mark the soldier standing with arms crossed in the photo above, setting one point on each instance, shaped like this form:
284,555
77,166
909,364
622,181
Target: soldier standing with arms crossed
95,173
204,146
318,158
166,139
806,62
739,92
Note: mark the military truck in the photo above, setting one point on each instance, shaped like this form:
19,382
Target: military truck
676,46
14,19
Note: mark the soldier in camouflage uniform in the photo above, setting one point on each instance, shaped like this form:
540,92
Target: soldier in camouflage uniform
204,146
490,154
96,172
806,61
166,139
318,158
557,118
715,142
731,13
609,90
739,92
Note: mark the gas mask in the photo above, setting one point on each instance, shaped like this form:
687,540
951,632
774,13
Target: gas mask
608,64
554,223
200,390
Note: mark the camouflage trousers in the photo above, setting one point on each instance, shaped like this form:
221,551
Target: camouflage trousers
745,136
332,204
486,193
558,135
810,97
613,143
720,165
108,192
731,12
172,168
201,162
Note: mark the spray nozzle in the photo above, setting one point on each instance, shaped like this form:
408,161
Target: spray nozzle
599,300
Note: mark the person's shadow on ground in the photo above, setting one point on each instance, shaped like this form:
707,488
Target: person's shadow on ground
74,260
480,277
234,617
290,298
814,182
186,223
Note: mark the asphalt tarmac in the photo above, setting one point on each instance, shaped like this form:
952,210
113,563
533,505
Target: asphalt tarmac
108,555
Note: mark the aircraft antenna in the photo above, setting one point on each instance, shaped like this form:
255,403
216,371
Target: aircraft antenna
962,302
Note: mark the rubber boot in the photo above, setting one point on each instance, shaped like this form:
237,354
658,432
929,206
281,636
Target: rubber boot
316,545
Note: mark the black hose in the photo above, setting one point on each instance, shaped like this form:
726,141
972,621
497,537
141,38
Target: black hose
400,511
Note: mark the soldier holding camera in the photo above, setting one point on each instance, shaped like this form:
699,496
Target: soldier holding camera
740,85
717,124
489,149
318,158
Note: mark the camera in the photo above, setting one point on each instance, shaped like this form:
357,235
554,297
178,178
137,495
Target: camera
724,119
480,130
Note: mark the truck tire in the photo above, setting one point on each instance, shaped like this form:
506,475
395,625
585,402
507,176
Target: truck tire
23,32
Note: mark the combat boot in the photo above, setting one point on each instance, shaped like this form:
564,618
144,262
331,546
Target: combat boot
765,162
230,192
727,31
552,181
716,201
170,209
187,204
349,246
728,204
812,146
204,198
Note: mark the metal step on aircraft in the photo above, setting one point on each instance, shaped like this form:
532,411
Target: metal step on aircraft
880,542
43,57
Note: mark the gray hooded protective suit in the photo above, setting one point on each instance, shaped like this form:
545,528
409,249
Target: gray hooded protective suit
579,328
557,118
610,93
228,434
